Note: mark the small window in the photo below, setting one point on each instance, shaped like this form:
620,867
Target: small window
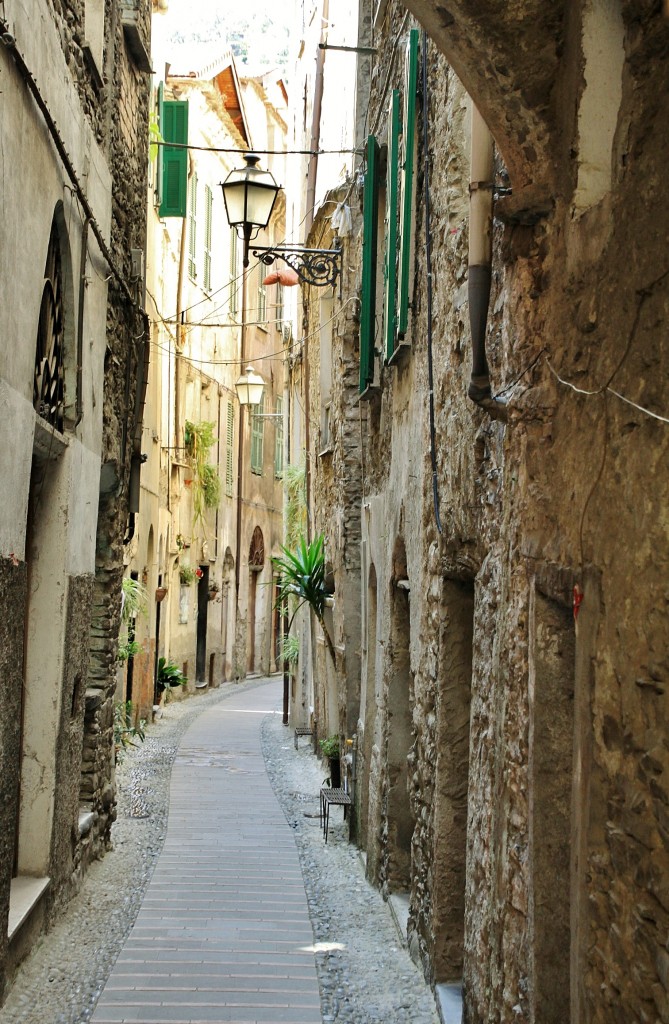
257,437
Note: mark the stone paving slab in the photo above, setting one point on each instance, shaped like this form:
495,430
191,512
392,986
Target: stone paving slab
223,935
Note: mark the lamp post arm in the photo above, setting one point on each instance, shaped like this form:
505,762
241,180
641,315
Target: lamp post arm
317,267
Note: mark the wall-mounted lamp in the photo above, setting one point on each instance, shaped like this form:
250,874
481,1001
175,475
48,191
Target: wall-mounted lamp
249,194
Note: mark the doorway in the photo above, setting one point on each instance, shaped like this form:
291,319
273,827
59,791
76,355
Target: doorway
202,614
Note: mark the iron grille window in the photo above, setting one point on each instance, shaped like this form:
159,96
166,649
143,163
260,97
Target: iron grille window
48,388
257,437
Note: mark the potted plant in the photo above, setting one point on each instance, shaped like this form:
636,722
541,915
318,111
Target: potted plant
331,750
302,580
187,575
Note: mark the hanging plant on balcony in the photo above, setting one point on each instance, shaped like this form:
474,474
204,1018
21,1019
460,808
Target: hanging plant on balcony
188,575
199,439
302,581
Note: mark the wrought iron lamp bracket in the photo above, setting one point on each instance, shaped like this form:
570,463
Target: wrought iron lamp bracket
318,267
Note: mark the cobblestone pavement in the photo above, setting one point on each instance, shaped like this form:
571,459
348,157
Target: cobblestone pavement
365,974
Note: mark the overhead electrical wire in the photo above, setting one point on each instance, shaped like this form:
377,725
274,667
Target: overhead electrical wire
258,152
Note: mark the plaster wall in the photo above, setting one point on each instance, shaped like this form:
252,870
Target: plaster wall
49,525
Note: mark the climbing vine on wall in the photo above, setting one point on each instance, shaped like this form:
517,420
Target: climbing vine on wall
206,485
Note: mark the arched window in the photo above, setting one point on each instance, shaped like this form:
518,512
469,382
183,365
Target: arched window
257,549
48,383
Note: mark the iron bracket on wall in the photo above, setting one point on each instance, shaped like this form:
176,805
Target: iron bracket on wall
318,267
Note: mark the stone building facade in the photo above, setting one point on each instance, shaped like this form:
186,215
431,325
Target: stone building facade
509,549
211,319
74,124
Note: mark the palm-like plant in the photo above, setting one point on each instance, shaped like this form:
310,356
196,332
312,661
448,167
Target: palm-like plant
302,577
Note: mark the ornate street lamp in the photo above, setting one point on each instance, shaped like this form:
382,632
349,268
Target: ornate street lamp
250,387
249,194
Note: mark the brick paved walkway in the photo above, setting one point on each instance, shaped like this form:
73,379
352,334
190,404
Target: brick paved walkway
223,935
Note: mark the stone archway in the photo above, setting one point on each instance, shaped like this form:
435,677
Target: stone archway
256,566
521,91
370,702
399,820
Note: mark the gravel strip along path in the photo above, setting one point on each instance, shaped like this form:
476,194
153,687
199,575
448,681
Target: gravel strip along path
366,975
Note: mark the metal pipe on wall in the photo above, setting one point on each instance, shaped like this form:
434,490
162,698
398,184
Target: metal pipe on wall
480,260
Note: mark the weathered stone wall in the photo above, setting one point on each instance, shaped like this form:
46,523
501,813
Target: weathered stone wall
127,139
65,854
566,719
13,585
335,475
48,527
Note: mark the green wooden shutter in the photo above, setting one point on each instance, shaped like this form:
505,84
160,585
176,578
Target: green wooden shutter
192,227
229,449
174,128
407,202
390,262
159,155
278,439
370,215
208,214
257,437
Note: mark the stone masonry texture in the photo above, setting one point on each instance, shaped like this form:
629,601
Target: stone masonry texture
545,805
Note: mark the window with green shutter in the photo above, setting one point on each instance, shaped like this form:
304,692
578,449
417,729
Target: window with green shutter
192,227
370,218
208,214
174,172
407,184
229,449
390,260
278,439
257,437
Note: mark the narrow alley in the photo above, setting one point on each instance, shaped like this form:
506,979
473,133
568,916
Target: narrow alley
223,932
334,406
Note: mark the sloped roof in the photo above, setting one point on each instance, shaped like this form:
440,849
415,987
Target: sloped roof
214,62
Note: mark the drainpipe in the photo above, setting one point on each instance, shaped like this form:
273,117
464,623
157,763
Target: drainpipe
480,261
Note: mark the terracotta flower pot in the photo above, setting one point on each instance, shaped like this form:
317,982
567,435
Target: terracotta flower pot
161,592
